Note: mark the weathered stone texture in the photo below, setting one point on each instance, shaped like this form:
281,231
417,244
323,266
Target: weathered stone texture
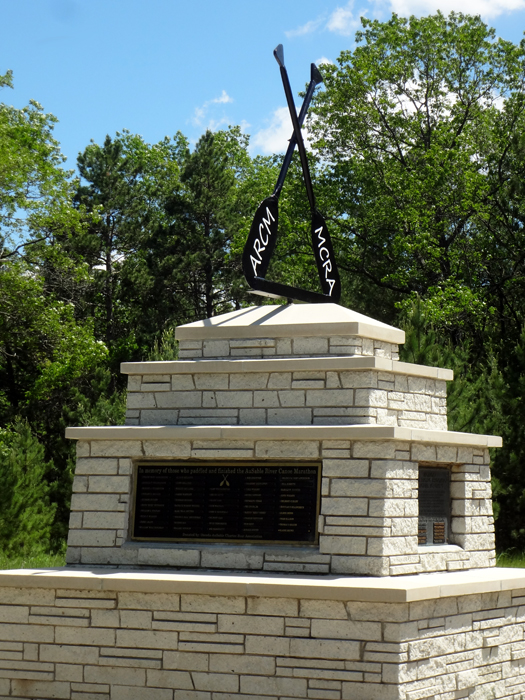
103,645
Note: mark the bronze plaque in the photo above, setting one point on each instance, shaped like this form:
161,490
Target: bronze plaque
434,505
226,502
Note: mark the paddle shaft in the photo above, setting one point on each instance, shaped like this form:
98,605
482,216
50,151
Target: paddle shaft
293,141
298,137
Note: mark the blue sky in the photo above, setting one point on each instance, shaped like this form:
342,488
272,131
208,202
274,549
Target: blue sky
160,66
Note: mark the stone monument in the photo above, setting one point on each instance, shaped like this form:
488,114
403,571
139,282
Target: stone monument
285,515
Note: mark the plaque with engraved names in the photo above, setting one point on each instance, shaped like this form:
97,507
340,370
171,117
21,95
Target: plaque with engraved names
226,502
434,505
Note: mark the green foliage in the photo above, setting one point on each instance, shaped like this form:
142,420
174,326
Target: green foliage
26,510
35,191
31,561
167,348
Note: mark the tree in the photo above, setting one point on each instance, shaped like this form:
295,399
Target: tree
26,510
410,124
35,191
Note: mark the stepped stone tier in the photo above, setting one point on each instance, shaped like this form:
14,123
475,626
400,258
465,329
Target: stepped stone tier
392,594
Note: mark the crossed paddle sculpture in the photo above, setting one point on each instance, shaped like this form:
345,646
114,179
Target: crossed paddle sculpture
263,231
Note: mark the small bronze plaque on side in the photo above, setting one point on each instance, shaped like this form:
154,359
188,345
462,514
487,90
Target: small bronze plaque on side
223,502
434,505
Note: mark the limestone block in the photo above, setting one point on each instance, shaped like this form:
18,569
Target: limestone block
423,453
252,416
94,501
211,381
108,484
393,469
251,380
346,468
157,386
141,400
283,346
280,380
371,397
91,538
335,397
289,449
246,664
291,398
275,686
167,448
216,348
179,399
267,646
359,379
358,488
342,545
374,450
104,521
129,692
116,448
289,416
80,484
134,382
190,344
344,506
213,604
222,453
404,526
227,559
265,399
182,382
152,639
86,465
416,385
251,624
310,346
392,546
158,417
234,399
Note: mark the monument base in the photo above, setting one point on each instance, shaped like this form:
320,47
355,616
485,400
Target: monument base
123,635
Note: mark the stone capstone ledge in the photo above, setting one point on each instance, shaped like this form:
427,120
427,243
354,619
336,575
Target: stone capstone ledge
399,589
281,432
292,320
294,364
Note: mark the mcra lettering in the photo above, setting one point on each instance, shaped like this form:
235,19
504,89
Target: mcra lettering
324,255
261,242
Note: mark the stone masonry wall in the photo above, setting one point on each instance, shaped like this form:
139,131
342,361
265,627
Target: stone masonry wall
286,347
125,645
369,508
295,397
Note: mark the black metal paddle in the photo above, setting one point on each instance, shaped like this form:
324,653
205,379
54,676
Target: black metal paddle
263,231
321,241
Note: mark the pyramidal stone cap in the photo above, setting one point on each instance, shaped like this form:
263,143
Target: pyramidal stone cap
292,320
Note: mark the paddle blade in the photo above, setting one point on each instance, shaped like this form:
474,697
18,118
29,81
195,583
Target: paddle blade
315,76
278,53
325,258
261,240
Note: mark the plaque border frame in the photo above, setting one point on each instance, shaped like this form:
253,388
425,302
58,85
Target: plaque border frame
241,463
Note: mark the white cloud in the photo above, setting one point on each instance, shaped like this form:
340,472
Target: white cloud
307,28
343,21
223,99
324,60
200,113
275,137
487,8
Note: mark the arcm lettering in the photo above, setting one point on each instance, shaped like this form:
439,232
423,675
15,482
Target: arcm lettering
260,243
